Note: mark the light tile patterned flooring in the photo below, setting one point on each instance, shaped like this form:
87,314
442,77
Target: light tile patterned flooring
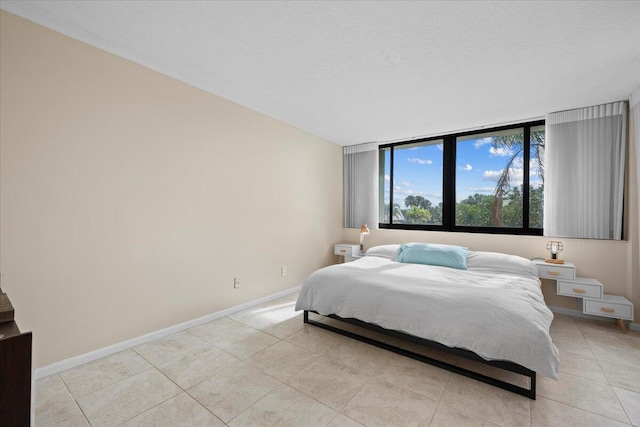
264,367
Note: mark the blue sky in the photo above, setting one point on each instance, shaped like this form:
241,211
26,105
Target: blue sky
418,170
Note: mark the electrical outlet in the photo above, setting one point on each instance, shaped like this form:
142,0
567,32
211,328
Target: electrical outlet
283,271
236,282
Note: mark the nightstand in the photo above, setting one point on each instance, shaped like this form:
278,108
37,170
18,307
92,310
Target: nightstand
347,251
594,301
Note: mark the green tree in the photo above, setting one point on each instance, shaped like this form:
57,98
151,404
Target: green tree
475,211
512,211
436,214
536,206
410,201
419,201
417,215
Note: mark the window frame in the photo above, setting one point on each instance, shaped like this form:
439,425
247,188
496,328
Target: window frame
449,183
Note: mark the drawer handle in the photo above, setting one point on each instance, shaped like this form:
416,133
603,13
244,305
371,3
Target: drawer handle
343,251
608,310
579,291
554,273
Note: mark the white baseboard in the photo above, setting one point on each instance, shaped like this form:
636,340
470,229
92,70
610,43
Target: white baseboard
72,362
577,313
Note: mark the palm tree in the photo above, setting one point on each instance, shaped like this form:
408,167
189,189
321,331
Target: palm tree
410,201
397,213
513,143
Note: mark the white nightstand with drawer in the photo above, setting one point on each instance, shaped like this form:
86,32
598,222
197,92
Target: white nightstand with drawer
594,301
609,306
566,271
348,251
581,287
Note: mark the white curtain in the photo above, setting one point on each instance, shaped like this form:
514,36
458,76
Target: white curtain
584,172
361,185
634,103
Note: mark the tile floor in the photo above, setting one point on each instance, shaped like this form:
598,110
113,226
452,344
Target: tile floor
264,367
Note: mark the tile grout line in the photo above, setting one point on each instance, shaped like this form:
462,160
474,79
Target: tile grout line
605,375
470,414
442,396
164,338
250,406
106,385
285,383
74,399
158,404
608,383
151,366
587,410
199,403
168,399
338,411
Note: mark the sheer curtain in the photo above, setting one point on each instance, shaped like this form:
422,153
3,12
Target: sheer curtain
584,172
361,185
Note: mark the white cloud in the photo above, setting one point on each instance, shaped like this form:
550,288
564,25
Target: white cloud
406,183
501,151
490,175
387,178
515,176
400,192
518,162
484,141
440,147
420,161
467,167
481,189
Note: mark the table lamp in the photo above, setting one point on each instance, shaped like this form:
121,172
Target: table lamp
554,248
364,230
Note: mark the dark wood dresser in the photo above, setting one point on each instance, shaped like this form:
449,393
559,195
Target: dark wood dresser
15,369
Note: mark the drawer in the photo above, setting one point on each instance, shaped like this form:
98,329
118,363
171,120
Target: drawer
556,272
582,287
346,250
609,306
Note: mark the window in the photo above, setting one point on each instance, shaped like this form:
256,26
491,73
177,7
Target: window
416,194
489,181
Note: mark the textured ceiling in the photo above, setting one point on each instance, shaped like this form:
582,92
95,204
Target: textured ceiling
354,72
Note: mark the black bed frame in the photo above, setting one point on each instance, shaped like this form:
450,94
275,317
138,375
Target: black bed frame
508,366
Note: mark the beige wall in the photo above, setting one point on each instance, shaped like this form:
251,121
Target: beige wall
130,201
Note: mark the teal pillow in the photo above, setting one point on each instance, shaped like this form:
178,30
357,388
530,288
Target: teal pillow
431,254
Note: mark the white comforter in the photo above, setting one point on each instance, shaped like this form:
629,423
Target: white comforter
497,315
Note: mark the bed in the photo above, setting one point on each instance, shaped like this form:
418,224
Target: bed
493,311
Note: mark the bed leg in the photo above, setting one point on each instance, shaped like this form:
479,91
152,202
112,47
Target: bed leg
533,387
306,316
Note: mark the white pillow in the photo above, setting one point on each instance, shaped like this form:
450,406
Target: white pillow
384,251
501,263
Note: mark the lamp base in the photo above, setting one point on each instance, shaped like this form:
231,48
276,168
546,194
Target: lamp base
554,261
